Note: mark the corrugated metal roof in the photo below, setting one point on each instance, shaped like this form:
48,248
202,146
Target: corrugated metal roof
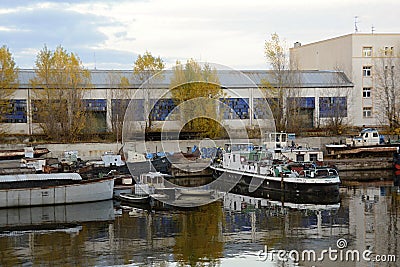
39,177
229,78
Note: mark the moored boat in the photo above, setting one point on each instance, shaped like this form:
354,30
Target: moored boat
25,152
256,168
284,147
134,199
52,189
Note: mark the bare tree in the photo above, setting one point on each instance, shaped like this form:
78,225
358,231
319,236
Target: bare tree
333,109
333,105
283,89
387,84
296,112
120,94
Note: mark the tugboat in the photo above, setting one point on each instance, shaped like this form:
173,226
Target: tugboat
257,167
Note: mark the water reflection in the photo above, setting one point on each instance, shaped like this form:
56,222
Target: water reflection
231,232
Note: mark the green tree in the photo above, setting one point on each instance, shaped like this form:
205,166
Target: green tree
59,86
145,67
193,81
8,82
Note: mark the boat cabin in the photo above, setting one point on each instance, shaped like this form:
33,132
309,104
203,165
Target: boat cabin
367,137
284,148
279,140
148,182
247,157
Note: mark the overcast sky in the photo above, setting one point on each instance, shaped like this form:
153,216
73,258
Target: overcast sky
110,34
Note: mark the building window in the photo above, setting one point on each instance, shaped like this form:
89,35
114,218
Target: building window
96,119
162,109
300,158
13,111
367,51
332,107
367,112
367,71
388,50
366,92
313,157
238,108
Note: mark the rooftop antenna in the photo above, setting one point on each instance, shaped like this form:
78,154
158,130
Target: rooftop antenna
372,29
94,56
355,24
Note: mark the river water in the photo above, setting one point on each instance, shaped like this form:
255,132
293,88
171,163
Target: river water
361,229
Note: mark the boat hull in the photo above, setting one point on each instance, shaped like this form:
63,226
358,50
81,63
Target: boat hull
20,153
55,217
322,188
160,164
79,192
133,199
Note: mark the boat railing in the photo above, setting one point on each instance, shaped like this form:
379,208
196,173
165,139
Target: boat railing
319,173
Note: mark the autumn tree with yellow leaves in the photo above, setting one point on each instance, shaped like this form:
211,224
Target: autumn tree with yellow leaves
58,89
147,70
8,82
197,85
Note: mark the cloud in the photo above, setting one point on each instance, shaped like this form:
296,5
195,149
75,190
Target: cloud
27,29
226,32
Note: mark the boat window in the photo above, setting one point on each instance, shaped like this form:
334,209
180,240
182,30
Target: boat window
234,158
299,157
313,157
322,173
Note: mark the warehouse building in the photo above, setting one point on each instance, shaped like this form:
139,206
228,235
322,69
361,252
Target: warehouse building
316,91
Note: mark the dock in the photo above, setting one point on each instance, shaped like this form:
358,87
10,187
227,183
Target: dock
362,164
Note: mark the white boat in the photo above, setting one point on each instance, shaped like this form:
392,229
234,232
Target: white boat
134,199
255,168
196,192
20,220
284,147
51,189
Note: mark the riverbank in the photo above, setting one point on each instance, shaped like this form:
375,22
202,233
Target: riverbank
93,151
362,164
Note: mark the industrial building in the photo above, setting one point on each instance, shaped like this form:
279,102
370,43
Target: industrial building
357,55
316,90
